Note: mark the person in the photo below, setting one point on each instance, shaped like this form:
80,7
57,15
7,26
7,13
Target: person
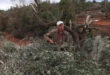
58,36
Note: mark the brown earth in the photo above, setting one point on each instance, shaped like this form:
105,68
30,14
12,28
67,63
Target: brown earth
102,24
20,42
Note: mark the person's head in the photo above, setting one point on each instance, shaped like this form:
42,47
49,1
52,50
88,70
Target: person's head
60,25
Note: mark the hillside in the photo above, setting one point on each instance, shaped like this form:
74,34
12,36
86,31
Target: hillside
24,50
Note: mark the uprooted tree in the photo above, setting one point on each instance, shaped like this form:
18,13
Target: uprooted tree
74,31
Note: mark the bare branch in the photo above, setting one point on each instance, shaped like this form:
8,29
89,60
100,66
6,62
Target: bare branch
40,22
36,3
33,8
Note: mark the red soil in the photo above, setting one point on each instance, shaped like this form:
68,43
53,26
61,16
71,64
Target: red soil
19,42
103,25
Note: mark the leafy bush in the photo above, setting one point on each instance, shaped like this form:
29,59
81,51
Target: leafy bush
42,59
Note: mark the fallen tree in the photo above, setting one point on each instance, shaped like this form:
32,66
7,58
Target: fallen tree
73,32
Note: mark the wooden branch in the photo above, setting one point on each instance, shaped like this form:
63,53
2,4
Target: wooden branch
40,22
51,24
88,21
74,33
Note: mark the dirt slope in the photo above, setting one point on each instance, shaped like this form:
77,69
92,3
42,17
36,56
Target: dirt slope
102,24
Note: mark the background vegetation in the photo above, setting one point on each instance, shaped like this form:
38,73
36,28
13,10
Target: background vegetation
41,58
21,21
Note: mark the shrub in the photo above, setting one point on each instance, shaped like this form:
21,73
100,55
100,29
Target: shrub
41,58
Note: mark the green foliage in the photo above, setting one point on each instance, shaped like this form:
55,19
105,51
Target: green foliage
49,12
21,21
80,6
42,59
105,8
68,8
